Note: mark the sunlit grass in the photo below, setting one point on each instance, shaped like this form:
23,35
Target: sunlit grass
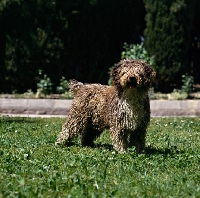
31,166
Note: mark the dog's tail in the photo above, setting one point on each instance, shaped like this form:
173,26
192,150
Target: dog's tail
74,85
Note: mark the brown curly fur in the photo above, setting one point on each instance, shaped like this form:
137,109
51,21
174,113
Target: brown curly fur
123,109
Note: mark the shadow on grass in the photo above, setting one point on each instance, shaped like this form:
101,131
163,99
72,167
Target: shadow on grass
164,151
106,146
148,150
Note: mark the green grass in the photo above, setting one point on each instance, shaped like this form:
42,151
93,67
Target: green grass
31,166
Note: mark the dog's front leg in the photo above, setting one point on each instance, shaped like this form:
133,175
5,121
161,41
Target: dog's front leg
137,139
119,140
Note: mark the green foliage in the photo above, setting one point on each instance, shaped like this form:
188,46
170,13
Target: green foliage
45,85
168,38
188,82
63,89
32,166
63,86
71,38
135,52
29,93
178,94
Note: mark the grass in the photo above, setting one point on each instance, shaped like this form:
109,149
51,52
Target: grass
31,166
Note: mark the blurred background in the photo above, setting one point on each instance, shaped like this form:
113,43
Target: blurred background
83,39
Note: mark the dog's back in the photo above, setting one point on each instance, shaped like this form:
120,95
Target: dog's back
78,87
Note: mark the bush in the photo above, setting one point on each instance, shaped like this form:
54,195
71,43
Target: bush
188,82
63,87
168,38
178,94
135,52
44,86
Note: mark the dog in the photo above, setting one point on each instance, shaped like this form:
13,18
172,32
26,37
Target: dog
123,109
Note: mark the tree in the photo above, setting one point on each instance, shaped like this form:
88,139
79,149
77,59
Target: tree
168,37
75,39
33,36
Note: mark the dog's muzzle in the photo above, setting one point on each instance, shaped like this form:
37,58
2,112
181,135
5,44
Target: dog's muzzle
132,83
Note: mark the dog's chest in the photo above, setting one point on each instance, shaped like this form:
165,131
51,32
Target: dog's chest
131,113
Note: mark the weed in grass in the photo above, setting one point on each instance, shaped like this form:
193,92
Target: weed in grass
31,166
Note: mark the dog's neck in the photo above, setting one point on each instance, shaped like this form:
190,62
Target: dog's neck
134,95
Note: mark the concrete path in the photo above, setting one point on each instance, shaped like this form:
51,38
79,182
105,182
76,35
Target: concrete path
60,108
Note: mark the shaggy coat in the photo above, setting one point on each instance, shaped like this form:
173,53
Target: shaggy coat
123,108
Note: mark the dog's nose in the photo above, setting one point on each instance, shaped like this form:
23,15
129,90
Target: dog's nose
131,79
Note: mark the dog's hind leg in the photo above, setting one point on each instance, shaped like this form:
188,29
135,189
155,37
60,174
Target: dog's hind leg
88,136
71,129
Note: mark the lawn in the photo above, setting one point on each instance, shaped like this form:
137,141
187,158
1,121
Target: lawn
31,166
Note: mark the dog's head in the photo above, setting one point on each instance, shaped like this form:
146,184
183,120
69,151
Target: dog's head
132,74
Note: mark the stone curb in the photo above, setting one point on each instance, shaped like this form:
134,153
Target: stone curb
175,107
35,106
60,107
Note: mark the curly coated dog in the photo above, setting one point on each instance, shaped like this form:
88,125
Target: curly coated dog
123,108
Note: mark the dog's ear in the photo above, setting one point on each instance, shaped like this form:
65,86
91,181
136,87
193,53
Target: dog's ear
153,75
150,72
115,75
